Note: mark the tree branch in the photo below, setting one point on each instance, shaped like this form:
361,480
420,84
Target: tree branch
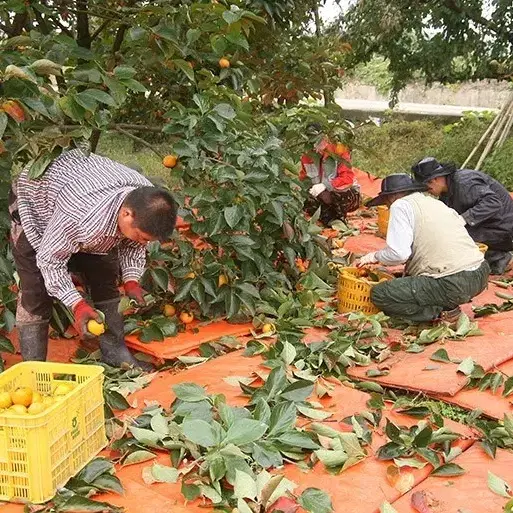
100,29
139,140
476,18
83,34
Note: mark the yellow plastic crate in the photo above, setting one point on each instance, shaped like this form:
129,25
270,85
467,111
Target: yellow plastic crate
354,292
40,453
383,218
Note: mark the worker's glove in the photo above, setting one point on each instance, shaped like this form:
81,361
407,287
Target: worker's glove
317,189
134,291
83,313
369,258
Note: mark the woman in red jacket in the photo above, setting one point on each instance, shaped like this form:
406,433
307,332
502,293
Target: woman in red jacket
334,186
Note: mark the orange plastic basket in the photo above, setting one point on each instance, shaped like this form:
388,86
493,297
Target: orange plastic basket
354,292
383,217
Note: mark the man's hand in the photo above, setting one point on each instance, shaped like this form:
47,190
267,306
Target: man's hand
83,313
134,291
369,258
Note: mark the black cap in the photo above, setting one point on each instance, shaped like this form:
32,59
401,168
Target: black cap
393,184
429,168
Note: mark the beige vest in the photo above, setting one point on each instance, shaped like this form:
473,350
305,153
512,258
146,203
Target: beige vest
441,243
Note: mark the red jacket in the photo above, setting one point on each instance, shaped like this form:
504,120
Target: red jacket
339,178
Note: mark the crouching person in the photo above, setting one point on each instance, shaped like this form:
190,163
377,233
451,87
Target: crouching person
444,267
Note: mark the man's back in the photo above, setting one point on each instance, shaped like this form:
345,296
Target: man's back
83,190
493,219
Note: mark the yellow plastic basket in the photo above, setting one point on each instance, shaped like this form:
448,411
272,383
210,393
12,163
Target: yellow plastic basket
383,217
482,247
40,453
354,292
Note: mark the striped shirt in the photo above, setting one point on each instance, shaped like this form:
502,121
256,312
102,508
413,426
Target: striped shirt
74,208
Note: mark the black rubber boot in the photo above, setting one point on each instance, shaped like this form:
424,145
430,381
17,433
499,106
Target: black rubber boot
34,341
112,343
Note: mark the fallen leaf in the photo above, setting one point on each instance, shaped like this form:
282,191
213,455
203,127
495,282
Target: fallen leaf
401,480
422,501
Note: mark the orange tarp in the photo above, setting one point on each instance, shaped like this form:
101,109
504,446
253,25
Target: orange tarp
417,372
189,340
466,493
491,404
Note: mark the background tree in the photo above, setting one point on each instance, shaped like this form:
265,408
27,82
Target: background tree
446,40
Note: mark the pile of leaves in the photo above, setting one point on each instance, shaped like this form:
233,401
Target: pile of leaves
220,452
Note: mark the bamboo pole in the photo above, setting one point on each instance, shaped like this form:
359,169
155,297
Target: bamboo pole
483,137
495,133
506,131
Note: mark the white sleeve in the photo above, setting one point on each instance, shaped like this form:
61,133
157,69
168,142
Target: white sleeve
399,235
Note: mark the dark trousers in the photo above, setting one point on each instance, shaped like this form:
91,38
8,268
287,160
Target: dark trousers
100,274
342,202
422,299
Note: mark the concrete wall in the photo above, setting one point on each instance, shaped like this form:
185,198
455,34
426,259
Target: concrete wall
485,93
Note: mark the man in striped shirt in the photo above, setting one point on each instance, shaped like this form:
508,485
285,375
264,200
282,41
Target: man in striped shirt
94,216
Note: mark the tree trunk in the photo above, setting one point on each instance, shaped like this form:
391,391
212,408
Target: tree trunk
83,34
327,93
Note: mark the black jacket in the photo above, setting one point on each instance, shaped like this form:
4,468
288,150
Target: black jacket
485,205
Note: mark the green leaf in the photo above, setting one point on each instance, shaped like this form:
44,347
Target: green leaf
138,457
298,439
245,486
508,387
190,392
498,485
161,277
124,72
245,431
331,458
100,96
146,436
440,356
77,503
315,501
283,418
185,68
466,366
233,215
134,85
390,451
288,353
199,432
190,491
95,469
164,474
115,400
160,424
409,462
193,35
448,470
298,391
423,438
39,166
110,483
6,345
266,454
232,16
312,413
225,110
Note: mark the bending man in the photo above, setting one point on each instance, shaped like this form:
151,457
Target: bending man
444,267
93,216
483,203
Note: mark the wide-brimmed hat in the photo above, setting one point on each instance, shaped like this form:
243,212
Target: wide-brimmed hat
393,184
429,168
